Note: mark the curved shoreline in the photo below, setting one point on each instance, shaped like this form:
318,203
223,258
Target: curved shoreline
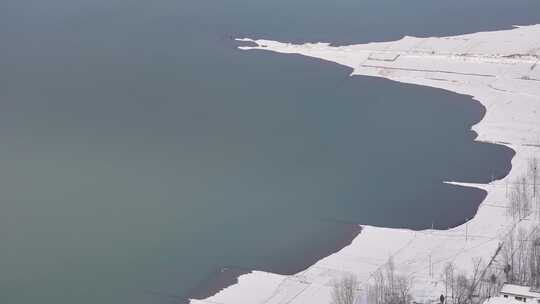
499,70
229,275
226,276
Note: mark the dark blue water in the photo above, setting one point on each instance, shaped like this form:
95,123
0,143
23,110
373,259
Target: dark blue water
140,152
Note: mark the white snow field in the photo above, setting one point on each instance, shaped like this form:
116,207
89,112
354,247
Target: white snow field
500,69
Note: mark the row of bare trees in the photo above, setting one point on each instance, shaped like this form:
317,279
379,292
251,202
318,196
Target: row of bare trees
346,290
521,257
516,261
523,196
389,287
532,172
521,247
462,287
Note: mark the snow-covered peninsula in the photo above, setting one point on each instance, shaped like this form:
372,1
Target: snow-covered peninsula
501,70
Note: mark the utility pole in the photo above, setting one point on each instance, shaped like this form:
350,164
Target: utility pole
535,172
467,230
430,267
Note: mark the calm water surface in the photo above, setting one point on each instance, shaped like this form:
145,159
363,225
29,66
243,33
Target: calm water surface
140,151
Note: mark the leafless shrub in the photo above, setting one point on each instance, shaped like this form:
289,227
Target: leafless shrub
345,290
533,168
449,280
519,203
462,289
390,287
474,286
532,172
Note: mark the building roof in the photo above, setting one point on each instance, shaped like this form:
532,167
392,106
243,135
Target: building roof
519,290
502,300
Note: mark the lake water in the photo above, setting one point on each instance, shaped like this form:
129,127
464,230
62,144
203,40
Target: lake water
141,152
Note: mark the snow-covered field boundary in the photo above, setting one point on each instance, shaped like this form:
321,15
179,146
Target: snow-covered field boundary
501,70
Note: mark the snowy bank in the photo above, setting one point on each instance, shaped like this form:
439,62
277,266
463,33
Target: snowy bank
499,69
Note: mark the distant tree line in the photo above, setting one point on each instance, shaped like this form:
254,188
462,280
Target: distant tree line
390,287
521,257
521,249
523,196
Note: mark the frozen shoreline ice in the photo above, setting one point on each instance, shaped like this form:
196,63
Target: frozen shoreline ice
500,69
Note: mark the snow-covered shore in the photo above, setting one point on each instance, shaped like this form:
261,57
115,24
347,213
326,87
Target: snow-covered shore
499,69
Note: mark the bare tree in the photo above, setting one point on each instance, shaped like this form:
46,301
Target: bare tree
480,282
535,262
390,277
533,257
476,278
402,289
533,168
514,203
521,257
449,280
508,251
525,199
493,285
377,291
389,287
462,289
519,203
345,290
533,173
522,271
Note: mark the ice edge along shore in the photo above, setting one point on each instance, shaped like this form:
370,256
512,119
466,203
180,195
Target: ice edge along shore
500,69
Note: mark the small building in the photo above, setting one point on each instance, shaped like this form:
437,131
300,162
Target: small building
520,293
